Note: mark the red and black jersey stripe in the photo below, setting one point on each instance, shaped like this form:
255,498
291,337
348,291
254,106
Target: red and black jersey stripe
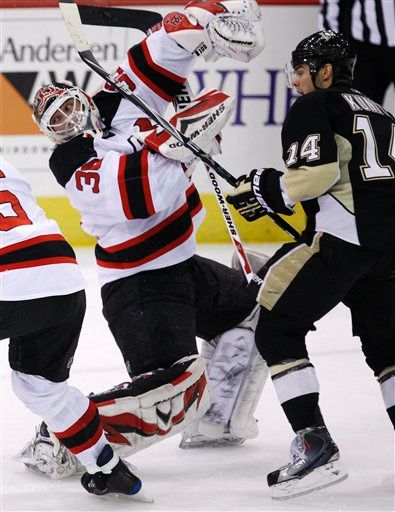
162,238
160,80
193,199
84,433
134,185
37,251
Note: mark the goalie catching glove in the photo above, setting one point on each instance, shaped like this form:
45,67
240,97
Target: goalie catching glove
259,193
200,122
228,28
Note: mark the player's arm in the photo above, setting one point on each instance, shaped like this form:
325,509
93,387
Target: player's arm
310,155
157,68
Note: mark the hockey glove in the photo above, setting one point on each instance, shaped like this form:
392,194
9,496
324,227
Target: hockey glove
260,193
201,122
214,29
247,199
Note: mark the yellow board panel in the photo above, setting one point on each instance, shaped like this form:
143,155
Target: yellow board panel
67,217
212,230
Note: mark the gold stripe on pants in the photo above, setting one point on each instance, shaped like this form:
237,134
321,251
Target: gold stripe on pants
283,272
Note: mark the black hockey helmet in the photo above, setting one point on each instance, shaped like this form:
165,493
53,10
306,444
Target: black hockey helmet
326,47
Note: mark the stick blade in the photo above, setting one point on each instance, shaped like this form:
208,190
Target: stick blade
138,19
71,16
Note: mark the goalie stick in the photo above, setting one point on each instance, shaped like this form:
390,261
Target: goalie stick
71,15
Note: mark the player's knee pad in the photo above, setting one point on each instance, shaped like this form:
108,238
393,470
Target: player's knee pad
237,375
154,406
41,396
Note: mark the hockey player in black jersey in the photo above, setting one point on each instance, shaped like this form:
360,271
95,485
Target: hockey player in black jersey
133,188
339,153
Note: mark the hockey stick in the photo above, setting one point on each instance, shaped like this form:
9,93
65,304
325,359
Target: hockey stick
71,15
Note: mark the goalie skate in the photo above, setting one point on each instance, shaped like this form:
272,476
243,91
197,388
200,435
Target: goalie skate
44,455
314,465
194,438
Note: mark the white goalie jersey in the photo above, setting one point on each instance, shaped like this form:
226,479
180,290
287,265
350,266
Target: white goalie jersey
142,208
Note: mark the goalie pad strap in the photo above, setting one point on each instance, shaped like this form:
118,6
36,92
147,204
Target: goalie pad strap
170,401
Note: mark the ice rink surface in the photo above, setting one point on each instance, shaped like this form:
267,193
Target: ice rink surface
218,479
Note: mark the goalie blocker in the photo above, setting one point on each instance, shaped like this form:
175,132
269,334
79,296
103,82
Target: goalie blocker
201,121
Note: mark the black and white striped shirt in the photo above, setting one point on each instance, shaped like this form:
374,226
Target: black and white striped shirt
370,21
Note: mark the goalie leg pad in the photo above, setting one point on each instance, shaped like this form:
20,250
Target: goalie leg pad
237,375
154,407
242,422
227,370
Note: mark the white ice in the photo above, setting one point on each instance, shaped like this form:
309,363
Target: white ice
218,479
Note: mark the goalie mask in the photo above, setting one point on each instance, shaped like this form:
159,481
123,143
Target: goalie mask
63,111
322,48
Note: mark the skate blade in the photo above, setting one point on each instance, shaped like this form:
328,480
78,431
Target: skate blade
140,497
324,476
204,442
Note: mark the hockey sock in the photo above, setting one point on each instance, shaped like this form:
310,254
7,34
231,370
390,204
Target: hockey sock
297,388
387,384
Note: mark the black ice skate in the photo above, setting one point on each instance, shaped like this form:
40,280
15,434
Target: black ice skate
314,465
120,481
